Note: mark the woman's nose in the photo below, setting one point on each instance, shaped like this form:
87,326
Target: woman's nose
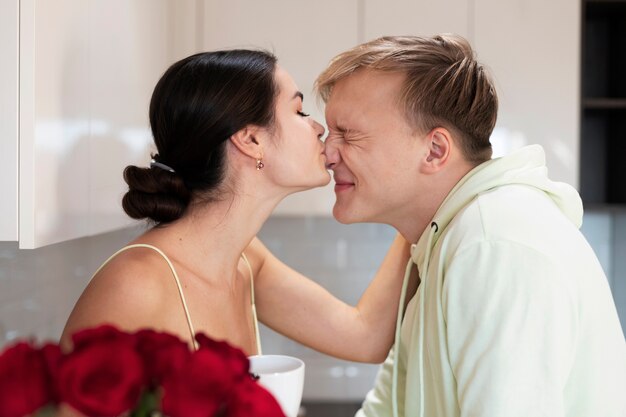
318,128
332,152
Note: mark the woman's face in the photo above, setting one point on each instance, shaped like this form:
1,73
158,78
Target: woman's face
295,155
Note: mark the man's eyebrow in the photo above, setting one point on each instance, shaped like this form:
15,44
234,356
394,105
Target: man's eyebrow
298,94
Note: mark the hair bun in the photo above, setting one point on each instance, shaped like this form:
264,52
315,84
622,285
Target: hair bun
154,194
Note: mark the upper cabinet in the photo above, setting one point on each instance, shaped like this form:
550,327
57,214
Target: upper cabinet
532,48
410,17
86,72
86,69
304,36
9,118
603,104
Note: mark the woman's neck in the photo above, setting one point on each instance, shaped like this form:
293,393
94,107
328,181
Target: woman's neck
210,238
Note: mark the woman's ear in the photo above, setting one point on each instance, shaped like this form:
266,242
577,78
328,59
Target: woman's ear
439,144
249,141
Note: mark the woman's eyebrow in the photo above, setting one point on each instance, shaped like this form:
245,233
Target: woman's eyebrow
298,94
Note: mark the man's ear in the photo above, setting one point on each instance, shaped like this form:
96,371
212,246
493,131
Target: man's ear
439,145
249,141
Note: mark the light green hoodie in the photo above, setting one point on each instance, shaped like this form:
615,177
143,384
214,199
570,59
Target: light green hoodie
514,316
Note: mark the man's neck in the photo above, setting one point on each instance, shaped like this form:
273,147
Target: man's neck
413,220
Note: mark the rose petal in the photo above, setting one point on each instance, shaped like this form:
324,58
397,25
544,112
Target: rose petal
24,381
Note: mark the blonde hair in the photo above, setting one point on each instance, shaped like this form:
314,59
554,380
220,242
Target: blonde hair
444,86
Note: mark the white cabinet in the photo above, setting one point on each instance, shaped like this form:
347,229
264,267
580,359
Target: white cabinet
87,68
9,40
532,47
411,17
86,72
304,36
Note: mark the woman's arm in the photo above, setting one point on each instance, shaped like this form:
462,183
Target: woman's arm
299,308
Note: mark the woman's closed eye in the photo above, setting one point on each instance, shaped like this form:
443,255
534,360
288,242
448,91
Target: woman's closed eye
303,114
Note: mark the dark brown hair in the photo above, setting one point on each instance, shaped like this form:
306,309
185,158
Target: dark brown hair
445,85
196,106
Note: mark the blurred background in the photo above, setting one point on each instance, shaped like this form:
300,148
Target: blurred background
75,82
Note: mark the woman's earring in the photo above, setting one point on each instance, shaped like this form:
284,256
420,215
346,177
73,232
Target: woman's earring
259,163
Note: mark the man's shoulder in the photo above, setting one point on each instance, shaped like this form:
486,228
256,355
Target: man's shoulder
512,213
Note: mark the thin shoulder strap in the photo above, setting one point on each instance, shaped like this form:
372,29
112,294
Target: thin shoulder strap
169,263
254,316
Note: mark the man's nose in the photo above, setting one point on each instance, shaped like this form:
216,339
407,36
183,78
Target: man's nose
331,151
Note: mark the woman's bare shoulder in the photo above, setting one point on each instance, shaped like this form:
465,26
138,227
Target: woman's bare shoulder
128,292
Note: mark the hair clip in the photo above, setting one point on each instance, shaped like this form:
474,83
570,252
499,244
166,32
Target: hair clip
154,163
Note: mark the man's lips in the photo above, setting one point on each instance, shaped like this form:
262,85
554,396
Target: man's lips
341,185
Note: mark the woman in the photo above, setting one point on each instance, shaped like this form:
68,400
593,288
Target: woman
232,142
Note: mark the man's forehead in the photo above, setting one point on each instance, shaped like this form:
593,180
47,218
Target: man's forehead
366,83
366,89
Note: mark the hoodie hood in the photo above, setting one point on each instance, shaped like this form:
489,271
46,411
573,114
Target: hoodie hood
526,166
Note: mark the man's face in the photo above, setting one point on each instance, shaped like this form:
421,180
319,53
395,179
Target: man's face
372,150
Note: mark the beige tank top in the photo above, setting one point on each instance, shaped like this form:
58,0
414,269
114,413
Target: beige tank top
182,295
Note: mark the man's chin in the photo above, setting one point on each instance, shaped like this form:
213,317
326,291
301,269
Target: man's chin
345,216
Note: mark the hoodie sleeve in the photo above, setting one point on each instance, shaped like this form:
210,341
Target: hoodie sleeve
378,401
510,327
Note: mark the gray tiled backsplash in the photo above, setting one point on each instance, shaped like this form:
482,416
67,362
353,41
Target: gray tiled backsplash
39,287
619,266
599,231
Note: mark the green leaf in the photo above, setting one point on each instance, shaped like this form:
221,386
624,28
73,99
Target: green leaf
47,411
148,405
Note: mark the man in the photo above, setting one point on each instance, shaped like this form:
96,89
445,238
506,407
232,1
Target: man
513,315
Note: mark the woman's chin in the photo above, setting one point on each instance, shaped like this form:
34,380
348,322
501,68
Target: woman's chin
325,179
321,182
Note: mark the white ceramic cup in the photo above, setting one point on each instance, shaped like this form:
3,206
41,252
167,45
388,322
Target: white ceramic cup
283,376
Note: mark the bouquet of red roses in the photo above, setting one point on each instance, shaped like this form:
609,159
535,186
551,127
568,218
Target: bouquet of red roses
147,373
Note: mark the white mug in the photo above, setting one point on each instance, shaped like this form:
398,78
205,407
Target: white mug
283,377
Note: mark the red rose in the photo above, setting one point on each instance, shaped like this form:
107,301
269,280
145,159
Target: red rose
235,359
52,356
101,334
162,354
251,399
103,375
200,388
24,381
